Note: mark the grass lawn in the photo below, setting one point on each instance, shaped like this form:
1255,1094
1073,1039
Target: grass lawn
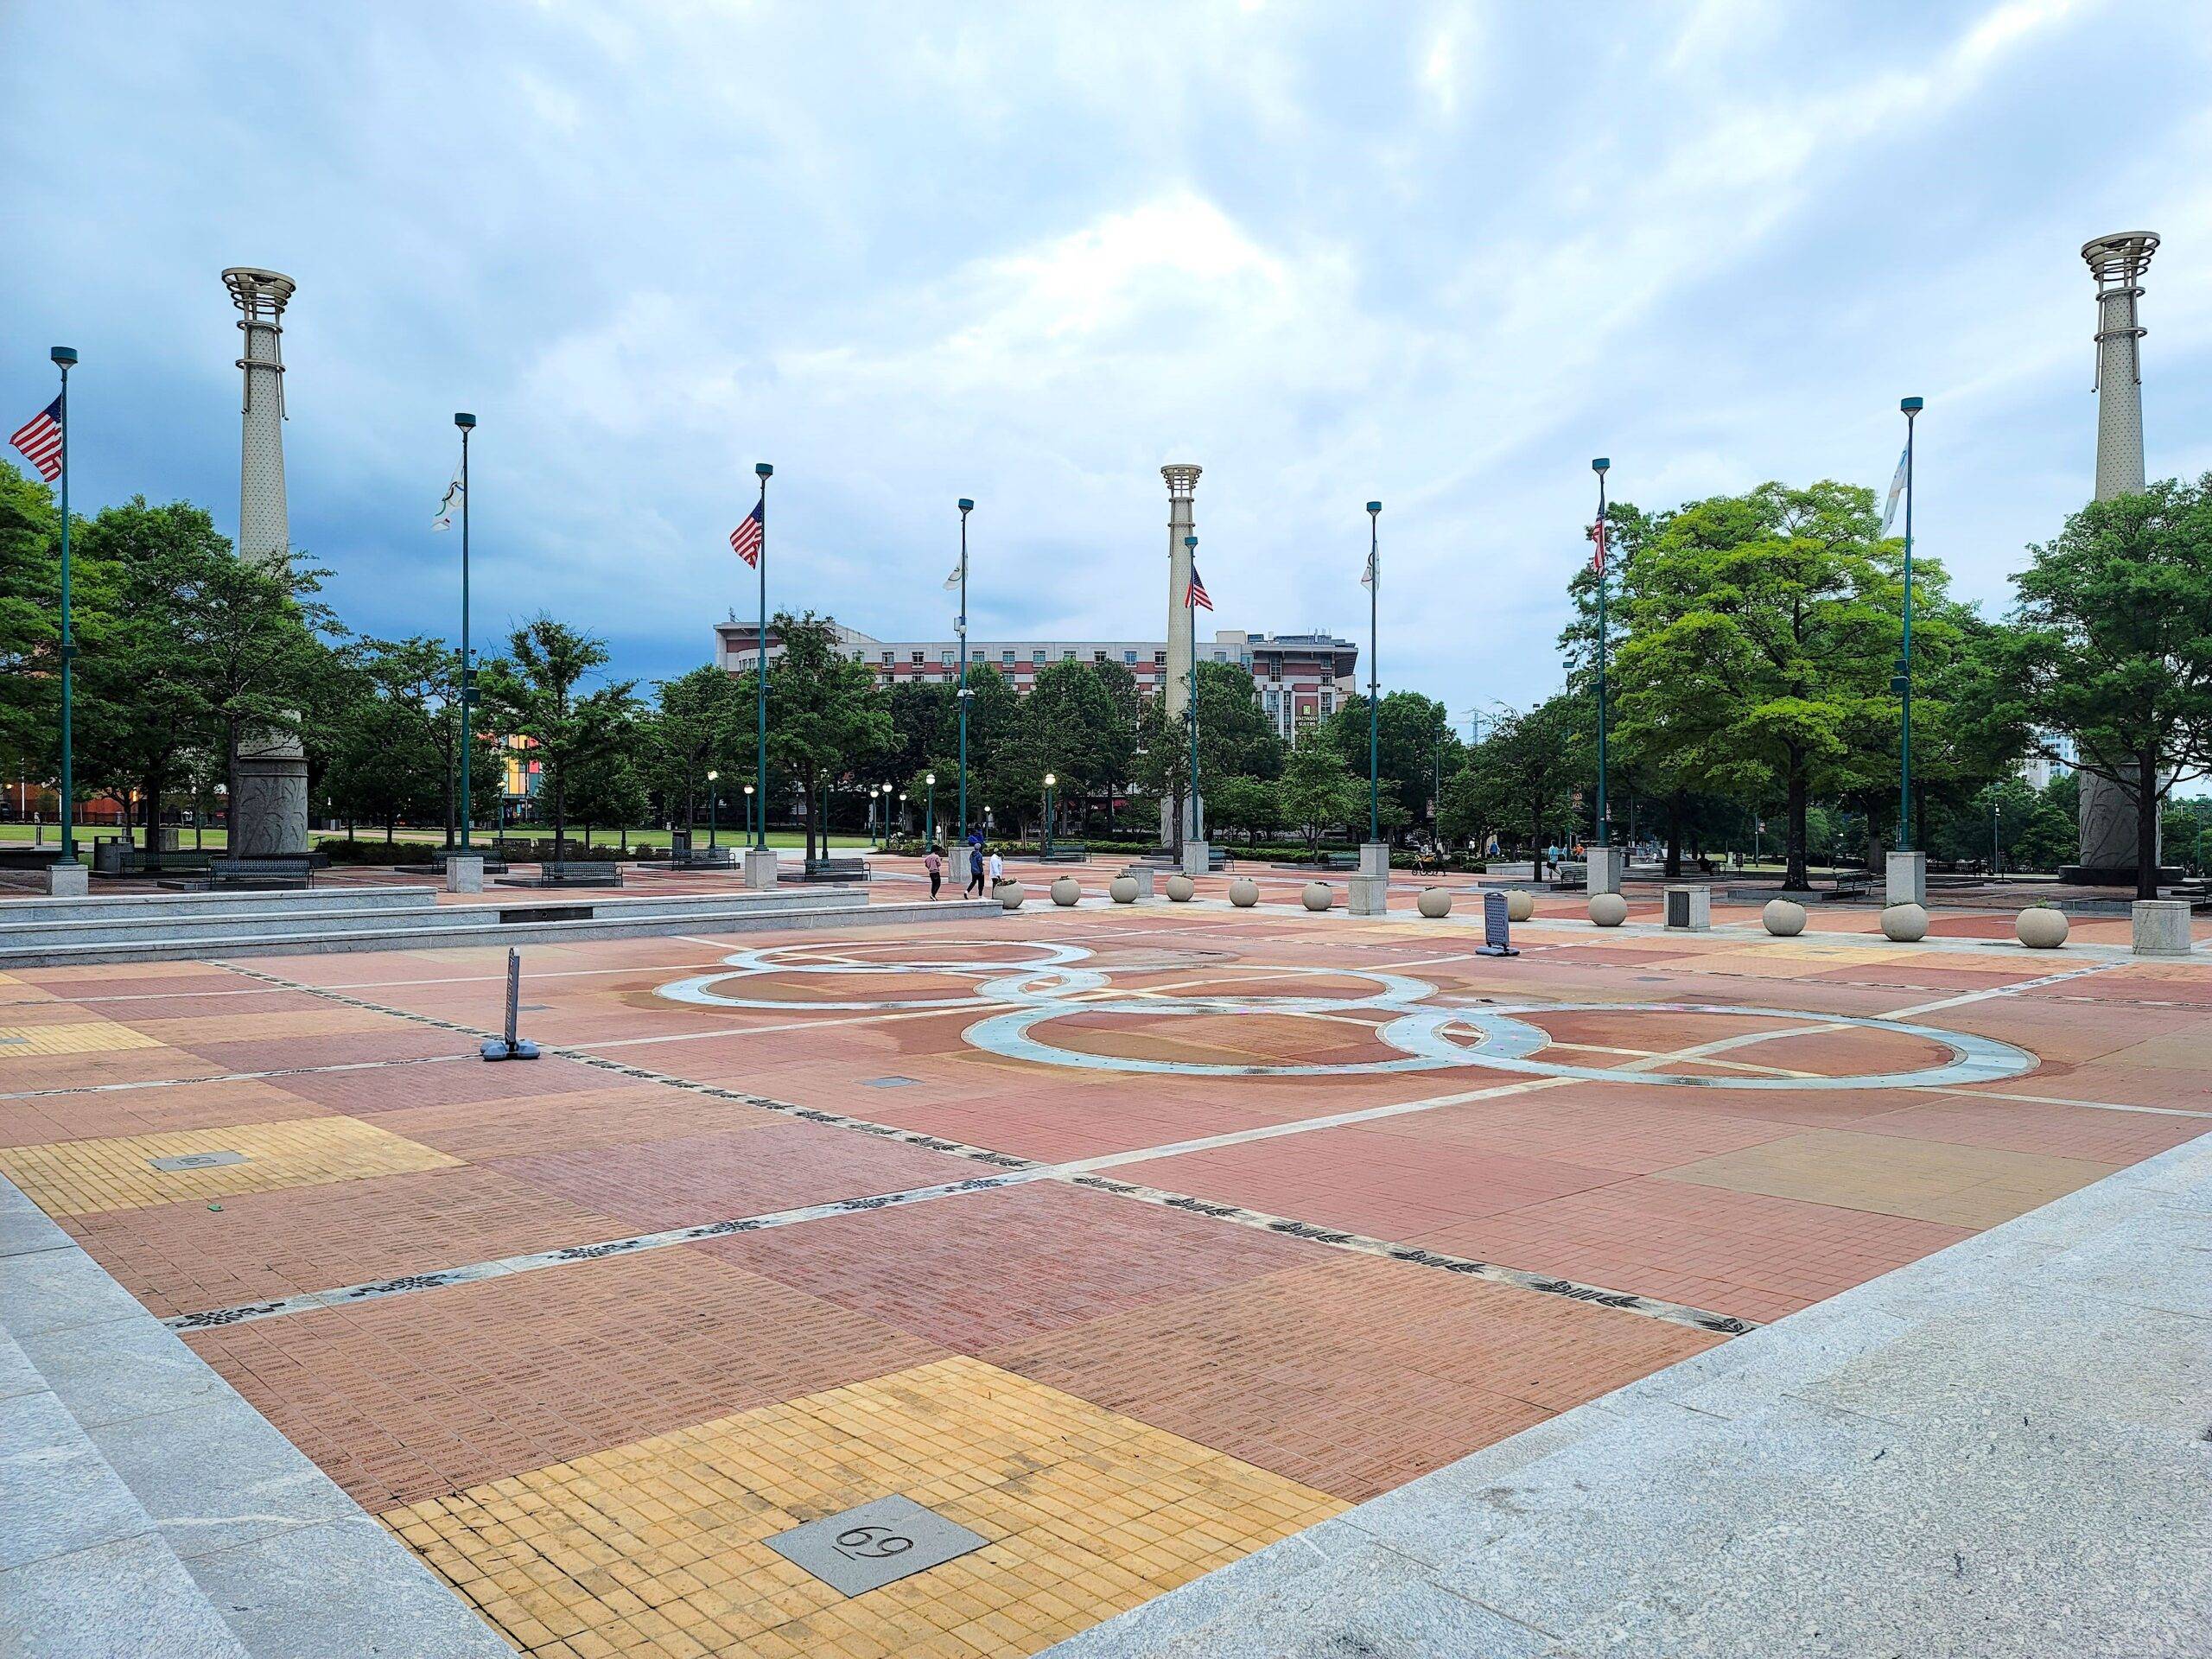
21,833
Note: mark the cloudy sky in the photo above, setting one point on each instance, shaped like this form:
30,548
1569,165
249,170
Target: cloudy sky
1439,254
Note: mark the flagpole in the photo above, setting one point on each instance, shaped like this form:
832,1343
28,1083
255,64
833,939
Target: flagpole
467,423
1600,465
1191,702
1911,408
967,506
64,358
763,471
1374,674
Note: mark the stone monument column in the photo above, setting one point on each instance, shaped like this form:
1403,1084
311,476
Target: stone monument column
2107,814
1175,692
268,769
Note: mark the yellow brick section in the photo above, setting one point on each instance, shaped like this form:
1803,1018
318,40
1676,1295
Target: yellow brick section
89,1037
77,1177
657,1548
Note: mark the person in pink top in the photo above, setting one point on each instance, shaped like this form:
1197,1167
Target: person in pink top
933,861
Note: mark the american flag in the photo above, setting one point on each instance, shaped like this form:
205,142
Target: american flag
1194,597
40,439
745,540
1597,534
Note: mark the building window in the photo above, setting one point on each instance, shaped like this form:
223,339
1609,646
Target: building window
1097,656
1007,657
1275,700
887,656
1328,703
920,657
1245,657
1221,656
945,658
1160,659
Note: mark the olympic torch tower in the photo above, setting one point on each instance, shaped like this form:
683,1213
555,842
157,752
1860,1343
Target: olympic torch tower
2108,814
1182,661
268,769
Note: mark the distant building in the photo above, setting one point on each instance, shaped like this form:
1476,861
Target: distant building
1297,678
2038,771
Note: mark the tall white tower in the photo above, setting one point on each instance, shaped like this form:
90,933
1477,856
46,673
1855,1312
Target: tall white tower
268,769
2108,818
1175,695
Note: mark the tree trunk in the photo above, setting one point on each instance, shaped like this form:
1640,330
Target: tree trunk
2146,825
1794,874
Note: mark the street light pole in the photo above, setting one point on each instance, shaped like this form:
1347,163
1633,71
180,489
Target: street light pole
748,810
1191,711
64,358
1601,466
763,472
929,811
1903,684
967,506
467,423
714,793
1374,676
1051,779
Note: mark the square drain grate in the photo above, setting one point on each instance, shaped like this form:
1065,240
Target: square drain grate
197,1160
879,1543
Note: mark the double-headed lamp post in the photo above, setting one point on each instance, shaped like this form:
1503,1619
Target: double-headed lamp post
1051,779
713,794
1911,408
929,809
902,812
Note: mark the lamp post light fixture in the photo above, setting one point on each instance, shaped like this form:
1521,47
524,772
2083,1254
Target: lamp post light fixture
902,812
467,423
1600,465
713,794
929,811
1051,779
748,810
1911,408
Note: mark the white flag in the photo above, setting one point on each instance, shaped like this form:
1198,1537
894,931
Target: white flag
958,571
1367,576
1896,489
450,505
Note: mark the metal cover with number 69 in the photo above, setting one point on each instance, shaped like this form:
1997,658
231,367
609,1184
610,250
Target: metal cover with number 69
878,1543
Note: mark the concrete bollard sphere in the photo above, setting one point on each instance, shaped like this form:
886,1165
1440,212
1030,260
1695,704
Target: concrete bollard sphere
1435,902
1181,888
1124,890
1520,904
2041,927
1011,895
1608,909
1319,895
1784,918
1243,893
1904,922
1066,890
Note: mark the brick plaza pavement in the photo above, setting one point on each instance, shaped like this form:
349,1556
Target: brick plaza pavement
1007,1222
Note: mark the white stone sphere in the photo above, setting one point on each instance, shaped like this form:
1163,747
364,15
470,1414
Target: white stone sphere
1011,895
1435,902
2041,927
1181,888
1784,918
1520,904
1905,923
1243,893
1124,889
1066,890
1608,909
1319,895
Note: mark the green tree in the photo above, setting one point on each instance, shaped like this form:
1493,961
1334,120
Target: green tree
701,721
1416,749
825,715
30,565
1318,792
1526,772
1250,805
536,692
2112,646
420,678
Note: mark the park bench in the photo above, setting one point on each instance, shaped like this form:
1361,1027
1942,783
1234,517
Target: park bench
828,869
1852,883
702,858
183,860
1340,860
1066,852
571,872
265,873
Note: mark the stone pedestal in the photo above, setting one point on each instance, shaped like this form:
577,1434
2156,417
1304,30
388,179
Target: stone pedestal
1370,887
465,873
761,868
1197,856
1605,866
70,880
1908,879
2161,927
107,856
1141,875
1690,909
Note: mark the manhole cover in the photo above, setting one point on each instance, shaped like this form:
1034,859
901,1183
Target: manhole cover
197,1160
876,1544
887,1082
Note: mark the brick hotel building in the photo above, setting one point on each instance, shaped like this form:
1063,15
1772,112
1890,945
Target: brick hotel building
1297,678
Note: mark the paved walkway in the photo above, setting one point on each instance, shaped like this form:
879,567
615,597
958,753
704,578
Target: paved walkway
2001,1451
146,1509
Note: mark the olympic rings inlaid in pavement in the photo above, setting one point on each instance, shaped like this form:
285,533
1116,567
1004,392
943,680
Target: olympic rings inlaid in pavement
1029,994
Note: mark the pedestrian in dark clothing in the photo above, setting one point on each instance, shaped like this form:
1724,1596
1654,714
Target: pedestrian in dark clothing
975,887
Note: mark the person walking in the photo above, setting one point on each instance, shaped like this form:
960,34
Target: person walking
975,887
997,870
933,861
